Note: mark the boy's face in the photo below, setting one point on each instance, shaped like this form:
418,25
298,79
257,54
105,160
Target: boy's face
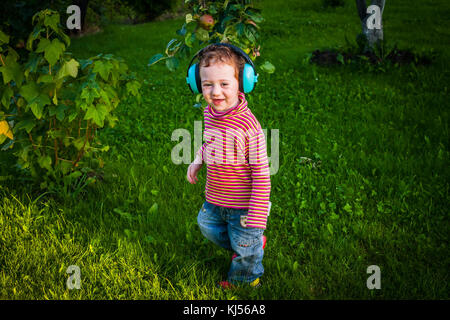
219,86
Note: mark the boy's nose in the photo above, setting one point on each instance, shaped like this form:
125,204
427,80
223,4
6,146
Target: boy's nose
216,91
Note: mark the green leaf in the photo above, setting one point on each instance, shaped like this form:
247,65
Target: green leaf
27,124
12,71
43,44
2,138
4,38
72,116
172,63
6,97
235,7
202,34
133,87
225,21
69,68
103,68
189,39
256,17
45,162
240,29
89,94
85,63
155,59
212,9
60,112
38,103
268,67
182,31
12,56
37,110
33,36
172,47
78,143
45,78
52,21
249,34
97,113
64,36
29,91
53,51
65,167
105,97
21,102
8,145
83,106
189,18
33,62
51,111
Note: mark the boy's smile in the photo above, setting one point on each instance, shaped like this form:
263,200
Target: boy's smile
220,87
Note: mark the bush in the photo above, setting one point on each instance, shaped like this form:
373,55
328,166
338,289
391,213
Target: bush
15,16
52,104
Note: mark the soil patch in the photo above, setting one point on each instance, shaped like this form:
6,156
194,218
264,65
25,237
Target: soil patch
396,56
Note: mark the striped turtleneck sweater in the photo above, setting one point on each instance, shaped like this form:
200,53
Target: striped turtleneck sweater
237,166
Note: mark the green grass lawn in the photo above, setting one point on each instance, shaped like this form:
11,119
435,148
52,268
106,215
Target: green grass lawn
380,196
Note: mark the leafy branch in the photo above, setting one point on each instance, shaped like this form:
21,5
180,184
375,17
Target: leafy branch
52,95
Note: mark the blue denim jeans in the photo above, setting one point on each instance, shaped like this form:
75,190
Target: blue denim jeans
226,228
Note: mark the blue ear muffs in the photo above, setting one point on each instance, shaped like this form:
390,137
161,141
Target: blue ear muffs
247,76
193,79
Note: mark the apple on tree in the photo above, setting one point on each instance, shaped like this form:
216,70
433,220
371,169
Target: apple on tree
206,22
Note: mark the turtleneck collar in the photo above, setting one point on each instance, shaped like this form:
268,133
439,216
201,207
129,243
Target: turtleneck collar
239,108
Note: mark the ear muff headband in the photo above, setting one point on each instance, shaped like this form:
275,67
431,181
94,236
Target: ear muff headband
247,76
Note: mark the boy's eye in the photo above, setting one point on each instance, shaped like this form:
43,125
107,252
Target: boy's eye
224,84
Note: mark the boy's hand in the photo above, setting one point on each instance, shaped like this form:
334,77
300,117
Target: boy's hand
193,169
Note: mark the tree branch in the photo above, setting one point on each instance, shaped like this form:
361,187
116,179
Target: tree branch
31,139
81,152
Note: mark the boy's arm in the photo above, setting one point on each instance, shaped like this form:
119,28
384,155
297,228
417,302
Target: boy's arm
194,168
258,209
199,155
